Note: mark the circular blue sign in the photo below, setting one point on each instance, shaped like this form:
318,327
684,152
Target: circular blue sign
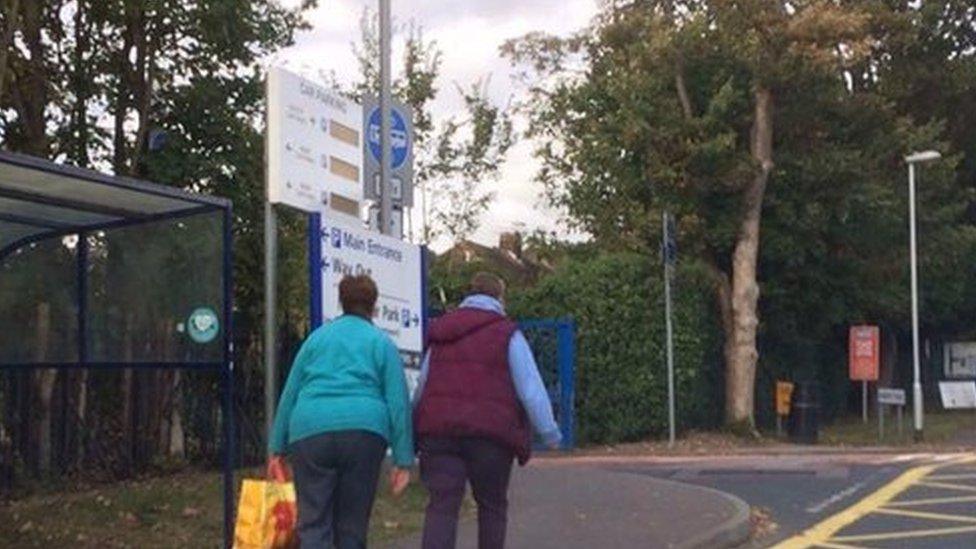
203,325
400,142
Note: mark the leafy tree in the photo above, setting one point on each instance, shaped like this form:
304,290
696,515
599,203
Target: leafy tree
454,157
735,115
464,163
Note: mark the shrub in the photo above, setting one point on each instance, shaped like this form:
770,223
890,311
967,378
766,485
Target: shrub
617,301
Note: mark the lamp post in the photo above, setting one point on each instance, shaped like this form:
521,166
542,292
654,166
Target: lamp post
912,159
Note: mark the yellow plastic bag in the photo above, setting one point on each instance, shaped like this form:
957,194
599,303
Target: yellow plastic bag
266,515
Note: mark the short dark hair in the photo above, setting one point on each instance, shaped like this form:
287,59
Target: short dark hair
357,294
488,284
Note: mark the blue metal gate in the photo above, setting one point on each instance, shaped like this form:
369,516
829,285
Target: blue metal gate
553,343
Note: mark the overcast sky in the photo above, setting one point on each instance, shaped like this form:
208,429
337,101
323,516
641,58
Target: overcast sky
469,32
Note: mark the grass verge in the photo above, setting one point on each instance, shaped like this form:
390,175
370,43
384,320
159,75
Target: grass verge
179,510
941,428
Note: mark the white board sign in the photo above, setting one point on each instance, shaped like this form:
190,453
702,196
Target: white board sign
894,397
958,394
314,146
348,248
960,359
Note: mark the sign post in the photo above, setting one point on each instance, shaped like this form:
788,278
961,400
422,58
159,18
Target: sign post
864,360
670,251
386,203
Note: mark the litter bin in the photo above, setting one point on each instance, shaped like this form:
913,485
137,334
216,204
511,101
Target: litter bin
805,413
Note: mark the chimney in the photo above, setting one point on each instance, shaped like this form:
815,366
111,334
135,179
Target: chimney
511,243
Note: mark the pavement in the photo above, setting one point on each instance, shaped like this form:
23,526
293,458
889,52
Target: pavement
568,503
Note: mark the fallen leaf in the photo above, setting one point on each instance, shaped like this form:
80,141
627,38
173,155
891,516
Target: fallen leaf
189,512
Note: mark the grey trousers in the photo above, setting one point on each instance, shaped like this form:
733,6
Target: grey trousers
335,481
447,465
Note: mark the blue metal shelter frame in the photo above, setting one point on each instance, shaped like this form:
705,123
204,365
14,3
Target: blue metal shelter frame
42,200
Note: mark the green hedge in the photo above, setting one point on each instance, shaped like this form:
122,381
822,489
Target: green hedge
617,301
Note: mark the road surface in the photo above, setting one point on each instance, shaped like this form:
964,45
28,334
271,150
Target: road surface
840,500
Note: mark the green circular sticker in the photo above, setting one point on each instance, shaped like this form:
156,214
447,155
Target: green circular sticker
203,325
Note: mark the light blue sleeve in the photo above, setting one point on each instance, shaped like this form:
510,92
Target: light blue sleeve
531,390
398,403
422,379
278,440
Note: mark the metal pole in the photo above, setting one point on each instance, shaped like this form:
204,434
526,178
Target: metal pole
864,401
82,251
881,414
270,300
227,376
386,155
670,348
916,366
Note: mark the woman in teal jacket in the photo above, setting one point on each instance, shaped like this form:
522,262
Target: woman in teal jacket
345,400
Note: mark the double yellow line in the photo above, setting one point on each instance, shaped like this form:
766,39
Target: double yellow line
822,534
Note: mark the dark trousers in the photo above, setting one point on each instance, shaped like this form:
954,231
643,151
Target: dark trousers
335,481
447,464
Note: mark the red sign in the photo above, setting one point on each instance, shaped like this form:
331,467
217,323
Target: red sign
864,353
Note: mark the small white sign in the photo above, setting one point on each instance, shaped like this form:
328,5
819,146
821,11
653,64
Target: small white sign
395,266
960,359
958,394
895,397
315,140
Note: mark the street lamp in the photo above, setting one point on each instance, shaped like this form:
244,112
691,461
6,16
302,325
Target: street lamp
912,159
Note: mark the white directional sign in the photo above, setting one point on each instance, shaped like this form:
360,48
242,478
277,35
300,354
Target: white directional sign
958,394
894,397
348,248
315,141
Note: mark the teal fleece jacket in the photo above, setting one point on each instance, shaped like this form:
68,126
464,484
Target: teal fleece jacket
347,375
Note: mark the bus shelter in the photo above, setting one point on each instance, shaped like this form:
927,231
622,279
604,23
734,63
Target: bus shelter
115,308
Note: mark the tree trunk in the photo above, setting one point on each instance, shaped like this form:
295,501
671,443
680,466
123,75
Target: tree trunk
44,380
81,84
12,7
31,92
740,349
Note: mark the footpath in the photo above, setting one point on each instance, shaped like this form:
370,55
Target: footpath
561,503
